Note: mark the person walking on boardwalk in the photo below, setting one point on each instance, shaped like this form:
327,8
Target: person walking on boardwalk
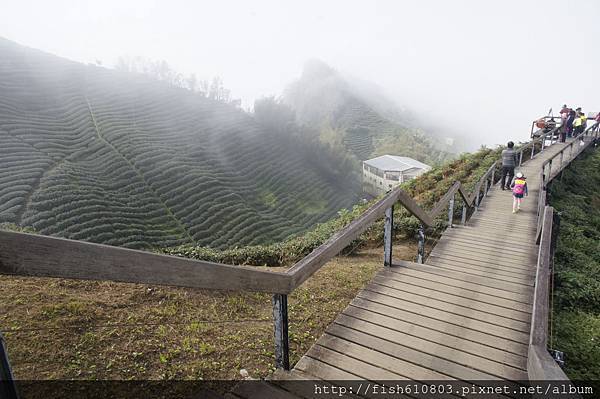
519,190
509,162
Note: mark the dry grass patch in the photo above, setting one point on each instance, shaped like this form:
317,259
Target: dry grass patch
69,329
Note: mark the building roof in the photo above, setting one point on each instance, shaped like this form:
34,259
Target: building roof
393,163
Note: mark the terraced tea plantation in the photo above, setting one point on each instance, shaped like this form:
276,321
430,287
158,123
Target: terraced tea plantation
92,154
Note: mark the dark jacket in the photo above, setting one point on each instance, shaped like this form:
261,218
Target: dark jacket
509,157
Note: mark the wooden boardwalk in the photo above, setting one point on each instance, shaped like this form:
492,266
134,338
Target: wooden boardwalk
463,315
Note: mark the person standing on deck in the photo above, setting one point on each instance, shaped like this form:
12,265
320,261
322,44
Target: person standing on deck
564,114
519,190
579,124
509,162
569,123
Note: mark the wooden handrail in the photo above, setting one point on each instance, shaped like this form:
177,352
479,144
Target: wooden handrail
540,365
42,256
556,170
307,266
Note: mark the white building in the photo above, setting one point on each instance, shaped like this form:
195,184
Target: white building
383,173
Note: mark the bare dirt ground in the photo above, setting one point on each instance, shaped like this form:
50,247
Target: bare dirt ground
69,329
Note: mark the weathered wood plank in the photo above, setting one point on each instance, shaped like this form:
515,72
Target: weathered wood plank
350,365
315,367
486,245
471,303
489,271
429,354
542,367
460,254
508,265
479,280
417,336
498,277
394,363
442,326
482,241
479,296
499,292
476,311
41,256
516,264
403,352
515,332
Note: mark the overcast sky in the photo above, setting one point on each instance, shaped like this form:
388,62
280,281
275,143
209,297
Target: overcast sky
490,66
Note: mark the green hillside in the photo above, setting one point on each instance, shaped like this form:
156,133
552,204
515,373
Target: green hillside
94,154
355,118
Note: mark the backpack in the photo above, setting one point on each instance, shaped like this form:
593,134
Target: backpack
519,187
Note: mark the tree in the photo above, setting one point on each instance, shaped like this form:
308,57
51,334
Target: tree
274,115
161,70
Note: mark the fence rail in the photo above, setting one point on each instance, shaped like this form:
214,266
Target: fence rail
540,365
549,173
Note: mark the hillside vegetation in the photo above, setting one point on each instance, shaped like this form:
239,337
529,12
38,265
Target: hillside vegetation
117,158
356,118
576,310
425,189
66,329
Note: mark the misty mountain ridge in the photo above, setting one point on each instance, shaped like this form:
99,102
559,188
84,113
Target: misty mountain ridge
355,116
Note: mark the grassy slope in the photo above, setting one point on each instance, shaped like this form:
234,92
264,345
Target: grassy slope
93,154
576,316
158,332
426,190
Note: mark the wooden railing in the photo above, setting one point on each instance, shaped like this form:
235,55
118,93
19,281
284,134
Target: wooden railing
540,365
548,172
35,255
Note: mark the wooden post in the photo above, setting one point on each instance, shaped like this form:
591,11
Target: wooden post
520,157
487,186
550,168
543,142
8,388
421,244
282,344
463,217
388,231
450,212
562,153
478,198
532,149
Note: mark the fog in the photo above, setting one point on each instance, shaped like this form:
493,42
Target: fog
485,69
